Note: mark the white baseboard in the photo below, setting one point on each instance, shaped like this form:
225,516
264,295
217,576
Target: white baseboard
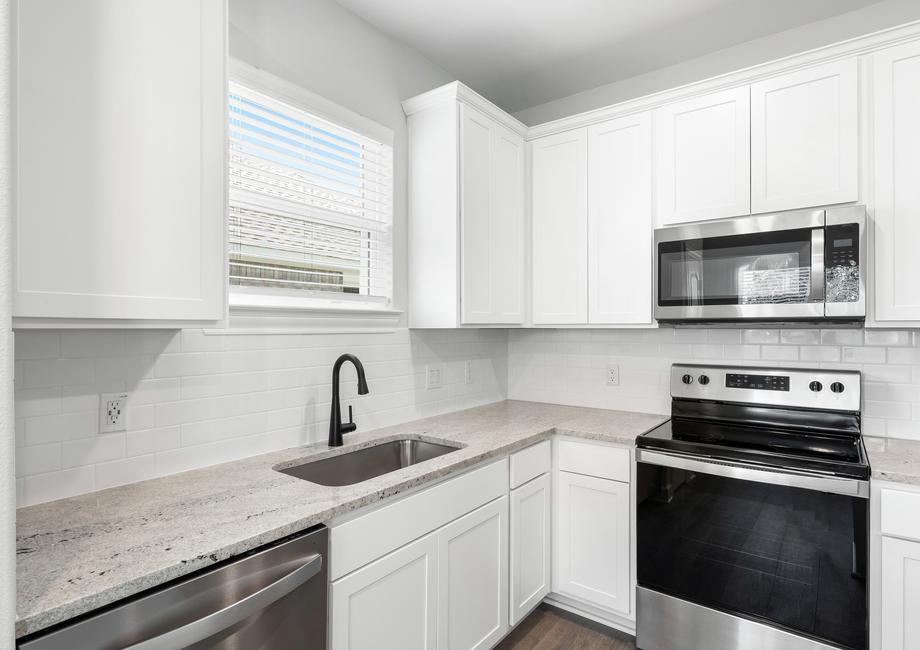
610,619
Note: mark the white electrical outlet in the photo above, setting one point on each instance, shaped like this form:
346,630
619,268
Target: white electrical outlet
468,372
613,375
113,412
433,376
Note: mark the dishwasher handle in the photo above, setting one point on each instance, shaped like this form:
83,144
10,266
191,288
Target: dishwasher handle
226,618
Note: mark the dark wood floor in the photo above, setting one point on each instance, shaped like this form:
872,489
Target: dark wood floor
549,628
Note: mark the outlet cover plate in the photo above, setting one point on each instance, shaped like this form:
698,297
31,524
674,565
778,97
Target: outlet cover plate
434,376
613,375
113,412
468,372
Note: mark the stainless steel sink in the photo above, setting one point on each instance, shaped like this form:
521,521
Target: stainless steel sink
368,462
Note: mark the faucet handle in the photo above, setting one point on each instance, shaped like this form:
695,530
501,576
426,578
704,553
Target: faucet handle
351,418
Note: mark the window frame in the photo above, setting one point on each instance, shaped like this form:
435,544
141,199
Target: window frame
250,306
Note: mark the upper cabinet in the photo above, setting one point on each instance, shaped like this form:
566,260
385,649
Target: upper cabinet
804,137
620,221
896,110
491,220
703,157
560,228
466,211
120,199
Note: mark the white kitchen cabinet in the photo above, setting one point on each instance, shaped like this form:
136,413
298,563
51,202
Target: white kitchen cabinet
804,138
531,560
120,185
473,579
896,110
491,220
591,550
620,221
390,604
900,597
560,228
466,211
703,157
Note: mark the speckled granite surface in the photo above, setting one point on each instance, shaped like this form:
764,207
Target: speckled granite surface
77,554
894,460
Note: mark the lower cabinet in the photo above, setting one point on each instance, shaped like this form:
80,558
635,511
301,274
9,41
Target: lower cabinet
391,604
473,579
447,590
531,560
591,560
900,594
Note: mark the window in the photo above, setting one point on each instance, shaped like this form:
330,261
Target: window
311,203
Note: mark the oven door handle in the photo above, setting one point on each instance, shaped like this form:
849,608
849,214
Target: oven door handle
833,484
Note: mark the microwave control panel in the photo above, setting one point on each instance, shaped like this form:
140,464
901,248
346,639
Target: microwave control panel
841,245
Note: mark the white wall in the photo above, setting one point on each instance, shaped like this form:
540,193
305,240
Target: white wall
569,366
196,399
7,494
875,17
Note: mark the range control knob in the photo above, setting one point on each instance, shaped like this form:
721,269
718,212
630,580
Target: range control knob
703,380
687,379
815,386
837,387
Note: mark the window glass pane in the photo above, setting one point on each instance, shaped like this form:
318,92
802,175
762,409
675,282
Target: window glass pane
310,201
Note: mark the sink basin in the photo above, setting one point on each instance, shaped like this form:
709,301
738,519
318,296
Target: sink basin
366,463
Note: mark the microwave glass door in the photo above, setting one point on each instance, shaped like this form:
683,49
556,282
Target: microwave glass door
765,268
785,556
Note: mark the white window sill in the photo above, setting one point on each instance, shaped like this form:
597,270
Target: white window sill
251,314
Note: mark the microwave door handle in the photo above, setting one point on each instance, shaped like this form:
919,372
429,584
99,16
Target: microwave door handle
223,619
817,265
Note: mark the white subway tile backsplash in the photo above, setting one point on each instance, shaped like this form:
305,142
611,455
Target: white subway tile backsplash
197,399
107,446
58,485
538,371
760,336
800,337
887,337
862,355
779,353
904,355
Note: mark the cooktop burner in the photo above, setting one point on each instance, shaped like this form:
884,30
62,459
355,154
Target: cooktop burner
790,427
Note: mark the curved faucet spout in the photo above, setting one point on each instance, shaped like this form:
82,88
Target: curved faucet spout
336,428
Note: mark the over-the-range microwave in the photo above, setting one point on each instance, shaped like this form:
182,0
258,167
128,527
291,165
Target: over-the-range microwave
806,265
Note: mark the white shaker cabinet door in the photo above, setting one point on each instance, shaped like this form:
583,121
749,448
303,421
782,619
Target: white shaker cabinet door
531,560
120,122
900,594
473,579
591,542
804,138
390,604
560,228
620,221
492,221
703,157
896,99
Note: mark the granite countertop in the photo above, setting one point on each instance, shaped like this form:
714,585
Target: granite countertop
894,460
75,555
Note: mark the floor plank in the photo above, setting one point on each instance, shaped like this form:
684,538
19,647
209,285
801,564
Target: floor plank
549,628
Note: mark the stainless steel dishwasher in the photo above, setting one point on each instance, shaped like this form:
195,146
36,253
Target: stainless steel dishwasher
271,599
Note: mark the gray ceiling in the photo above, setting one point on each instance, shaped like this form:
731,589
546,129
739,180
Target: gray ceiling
520,53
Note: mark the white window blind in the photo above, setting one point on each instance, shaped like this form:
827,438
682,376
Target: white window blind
311,202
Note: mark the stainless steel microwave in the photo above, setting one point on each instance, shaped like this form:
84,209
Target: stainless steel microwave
804,265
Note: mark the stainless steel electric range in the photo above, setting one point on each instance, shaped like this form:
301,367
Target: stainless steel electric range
752,507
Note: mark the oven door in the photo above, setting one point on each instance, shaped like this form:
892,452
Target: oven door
729,552
767,267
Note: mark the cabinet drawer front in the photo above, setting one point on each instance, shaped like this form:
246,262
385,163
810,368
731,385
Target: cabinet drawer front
594,460
530,463
899,513
366,538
